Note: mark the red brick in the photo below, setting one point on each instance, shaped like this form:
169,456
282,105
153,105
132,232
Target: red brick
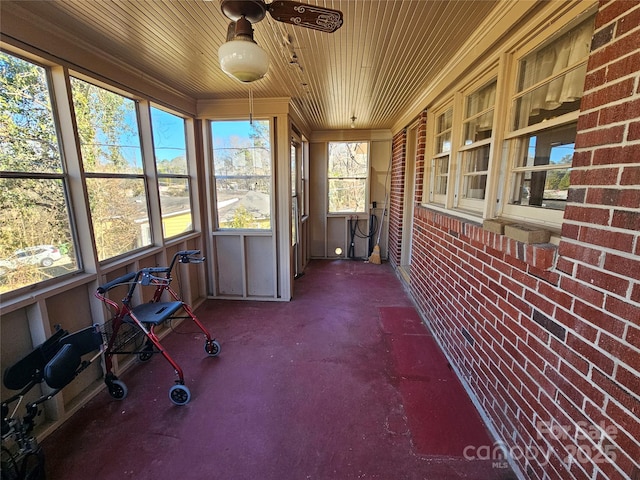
623,352
582,291
604,280
613,155
601,237
587,121
580,253
625,419
569,356
634,131
616,197
613,389
605,95
598,317
556,295
626,220
565,265
593,80
633,336
611,11
628,267
601,136
599,216
635,293
630,21
602,176
628,379
590,353
622,308
614,50
578,325
623,111
630,176
570,231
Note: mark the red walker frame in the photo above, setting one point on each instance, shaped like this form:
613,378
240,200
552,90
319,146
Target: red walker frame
129,323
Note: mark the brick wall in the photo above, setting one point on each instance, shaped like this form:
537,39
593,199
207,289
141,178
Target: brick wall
548,339
396,205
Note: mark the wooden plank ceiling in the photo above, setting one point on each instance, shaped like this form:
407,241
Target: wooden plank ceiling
386,52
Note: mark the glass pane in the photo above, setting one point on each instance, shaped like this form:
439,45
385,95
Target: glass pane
563,52
475,161
120,215
481,100
36,242
444,143
347,195
557,71
108,130
546,189
242,165
474,187
551,99
28,139
480,128
548,147
441,170
445,121
169,144
175,204
540,186
170,149
348,159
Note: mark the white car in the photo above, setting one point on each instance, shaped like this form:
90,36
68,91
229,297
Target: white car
41,255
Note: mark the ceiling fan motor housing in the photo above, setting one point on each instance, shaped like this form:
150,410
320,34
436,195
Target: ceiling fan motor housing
252,10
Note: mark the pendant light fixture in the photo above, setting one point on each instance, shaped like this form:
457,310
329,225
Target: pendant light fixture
241,57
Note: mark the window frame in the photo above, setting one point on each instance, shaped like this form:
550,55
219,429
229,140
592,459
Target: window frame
470,204
364,178
144,175
187,177
272,174
431,175
514,137
62,177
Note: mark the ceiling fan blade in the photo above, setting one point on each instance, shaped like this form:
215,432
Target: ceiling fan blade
303,15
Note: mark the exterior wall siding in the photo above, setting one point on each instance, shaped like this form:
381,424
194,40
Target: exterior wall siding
396,195
547,338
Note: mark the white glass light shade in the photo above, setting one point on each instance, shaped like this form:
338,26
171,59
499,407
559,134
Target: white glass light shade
243,59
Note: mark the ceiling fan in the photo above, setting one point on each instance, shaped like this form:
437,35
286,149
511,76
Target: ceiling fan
240,57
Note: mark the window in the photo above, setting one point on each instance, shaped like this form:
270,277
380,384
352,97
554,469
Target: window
541,172
348,169
169,146
112,159
439,177
242,168
545,109
36,239
477,129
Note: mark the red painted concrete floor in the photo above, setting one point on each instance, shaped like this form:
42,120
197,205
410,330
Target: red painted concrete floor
344,382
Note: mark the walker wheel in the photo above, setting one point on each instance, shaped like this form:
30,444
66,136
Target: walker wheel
212,347
145,355
179,394
117,389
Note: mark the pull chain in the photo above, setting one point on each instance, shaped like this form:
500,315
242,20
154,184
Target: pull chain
250,106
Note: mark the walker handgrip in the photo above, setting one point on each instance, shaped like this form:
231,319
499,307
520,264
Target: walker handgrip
154,270
183,253
123,279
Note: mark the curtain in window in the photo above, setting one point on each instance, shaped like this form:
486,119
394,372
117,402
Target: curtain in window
569,50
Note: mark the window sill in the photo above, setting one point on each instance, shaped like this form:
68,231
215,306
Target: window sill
537,259
526,242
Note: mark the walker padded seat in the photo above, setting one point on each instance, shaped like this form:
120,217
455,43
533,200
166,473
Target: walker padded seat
156,312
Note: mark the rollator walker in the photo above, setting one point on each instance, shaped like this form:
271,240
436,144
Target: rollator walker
129,323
